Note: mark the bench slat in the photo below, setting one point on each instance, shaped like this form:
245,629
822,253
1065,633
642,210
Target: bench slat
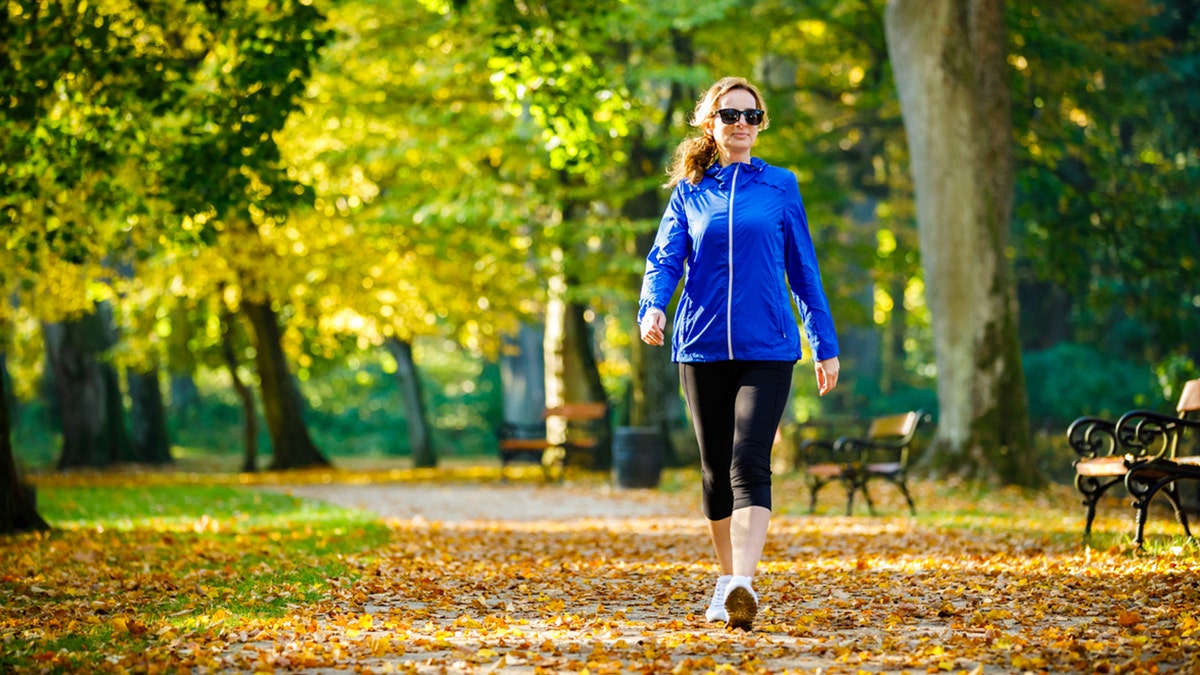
552,455
1101,466
524,444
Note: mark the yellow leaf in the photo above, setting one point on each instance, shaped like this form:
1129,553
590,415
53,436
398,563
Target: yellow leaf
999,615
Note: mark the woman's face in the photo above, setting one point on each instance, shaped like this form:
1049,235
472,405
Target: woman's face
734,140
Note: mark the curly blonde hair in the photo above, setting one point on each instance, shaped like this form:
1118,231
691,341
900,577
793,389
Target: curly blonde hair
695,154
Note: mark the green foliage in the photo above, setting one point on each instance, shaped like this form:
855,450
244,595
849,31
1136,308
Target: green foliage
426,206
34,437
357,412
225,160
83,86
901,399
1108,159
1173,372
1070,380
353,410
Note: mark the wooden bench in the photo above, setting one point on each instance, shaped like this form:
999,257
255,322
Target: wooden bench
587,424
855,461
1143,451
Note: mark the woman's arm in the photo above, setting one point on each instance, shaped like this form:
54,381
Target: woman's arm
665,262
804,277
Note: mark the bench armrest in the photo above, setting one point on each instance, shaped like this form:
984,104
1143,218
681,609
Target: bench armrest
808,444
814,451
1147,434
893,433
854,444
1092,437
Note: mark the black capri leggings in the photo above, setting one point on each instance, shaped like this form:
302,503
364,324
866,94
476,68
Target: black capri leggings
735,407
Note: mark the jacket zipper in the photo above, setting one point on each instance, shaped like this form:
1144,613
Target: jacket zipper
729,299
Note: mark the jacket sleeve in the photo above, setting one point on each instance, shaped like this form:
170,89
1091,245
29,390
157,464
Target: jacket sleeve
804,277
664,264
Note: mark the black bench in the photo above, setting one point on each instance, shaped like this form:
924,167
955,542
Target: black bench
586,423
1144,451
883,453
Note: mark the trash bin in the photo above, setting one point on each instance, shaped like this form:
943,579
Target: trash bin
637,457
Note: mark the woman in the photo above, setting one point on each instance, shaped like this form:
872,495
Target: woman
737,226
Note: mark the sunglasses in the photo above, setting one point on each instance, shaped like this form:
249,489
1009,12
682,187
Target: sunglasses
754,116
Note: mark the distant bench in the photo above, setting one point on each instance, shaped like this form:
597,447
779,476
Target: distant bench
854,461
528,442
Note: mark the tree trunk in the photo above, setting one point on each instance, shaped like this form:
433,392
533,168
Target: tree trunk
572,375
861,346
185,398
245,395
523,377
892,352
581,375
414,404
949,60
292,447
148,419
18,509
9,399
87,391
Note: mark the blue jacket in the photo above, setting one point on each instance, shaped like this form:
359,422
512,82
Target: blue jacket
739,232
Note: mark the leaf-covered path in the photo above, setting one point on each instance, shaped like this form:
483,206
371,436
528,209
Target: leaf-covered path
520,579
177,572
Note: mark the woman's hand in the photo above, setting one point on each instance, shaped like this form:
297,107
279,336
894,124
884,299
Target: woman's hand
827,375
654,322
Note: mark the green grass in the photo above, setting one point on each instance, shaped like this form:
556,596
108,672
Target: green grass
133,506
165,559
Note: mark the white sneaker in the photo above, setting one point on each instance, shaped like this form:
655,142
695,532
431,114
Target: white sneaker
741,603
716,608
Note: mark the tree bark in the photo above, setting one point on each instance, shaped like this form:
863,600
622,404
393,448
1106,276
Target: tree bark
409,380
185,398
151,443
9,399
581,375
860,356
892,355
87,391
523,377
291,445
245,395
949,60
18,509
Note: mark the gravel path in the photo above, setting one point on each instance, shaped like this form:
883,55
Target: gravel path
496,502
